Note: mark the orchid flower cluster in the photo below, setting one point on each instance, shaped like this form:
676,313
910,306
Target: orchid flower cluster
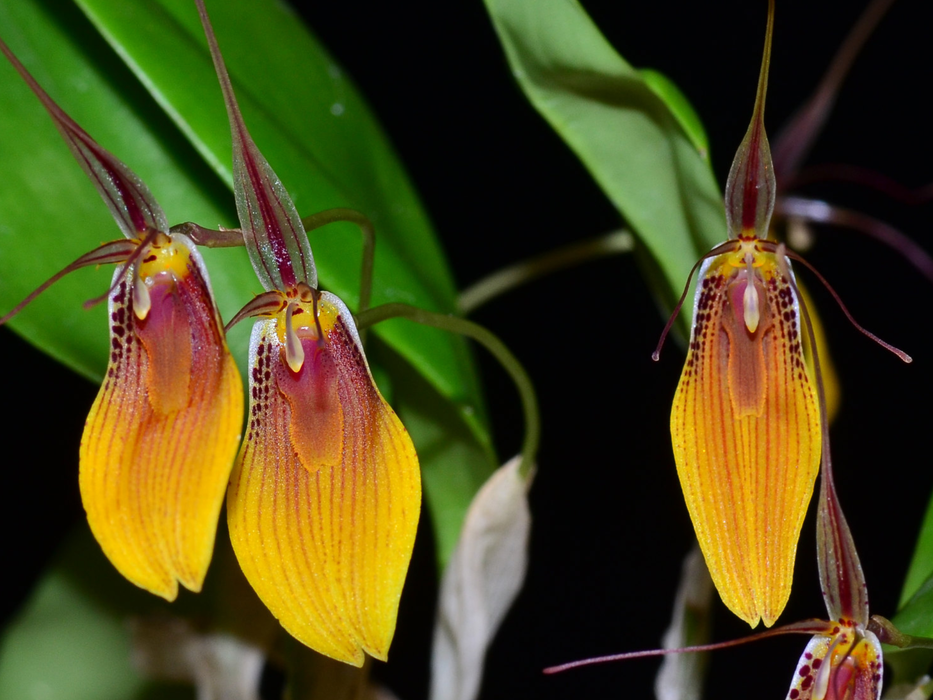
749,426
324,492
322,483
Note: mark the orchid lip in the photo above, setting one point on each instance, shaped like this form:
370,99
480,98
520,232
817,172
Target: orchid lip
322,440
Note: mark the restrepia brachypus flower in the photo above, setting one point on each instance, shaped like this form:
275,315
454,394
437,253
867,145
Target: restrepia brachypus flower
161,437
325,496
745,422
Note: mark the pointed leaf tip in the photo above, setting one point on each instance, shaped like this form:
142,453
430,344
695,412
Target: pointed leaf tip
272,230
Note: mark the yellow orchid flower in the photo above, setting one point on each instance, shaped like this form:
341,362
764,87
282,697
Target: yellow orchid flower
843,660
745,421
325,496
161,437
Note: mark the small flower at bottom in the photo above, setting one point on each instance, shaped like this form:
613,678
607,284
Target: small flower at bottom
842,663
160,439
325,497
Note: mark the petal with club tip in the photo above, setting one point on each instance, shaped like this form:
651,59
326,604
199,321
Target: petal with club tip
326,493
162,434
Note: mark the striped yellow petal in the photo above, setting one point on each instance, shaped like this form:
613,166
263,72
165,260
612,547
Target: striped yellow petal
746,428
162,434
326,493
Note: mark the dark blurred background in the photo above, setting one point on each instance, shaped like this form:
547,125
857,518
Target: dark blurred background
610,526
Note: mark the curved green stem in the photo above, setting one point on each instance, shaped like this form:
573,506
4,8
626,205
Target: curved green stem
887,633
509,278
509,362
330,216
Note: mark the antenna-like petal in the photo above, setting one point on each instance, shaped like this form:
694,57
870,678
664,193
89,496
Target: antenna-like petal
272,230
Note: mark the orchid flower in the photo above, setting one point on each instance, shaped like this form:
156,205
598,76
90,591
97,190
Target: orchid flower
162,435
843,660
745,422
325,495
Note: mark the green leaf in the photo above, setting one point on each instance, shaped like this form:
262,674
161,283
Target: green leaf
72,640
921,565
635,133
166,120
915,608
453,465
680,107
916,617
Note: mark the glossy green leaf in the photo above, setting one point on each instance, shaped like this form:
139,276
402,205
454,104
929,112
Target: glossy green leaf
916,617
166,120
453,465
915,608
639,138
680,107
920,572
72,640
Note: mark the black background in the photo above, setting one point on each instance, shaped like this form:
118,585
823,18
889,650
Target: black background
610,527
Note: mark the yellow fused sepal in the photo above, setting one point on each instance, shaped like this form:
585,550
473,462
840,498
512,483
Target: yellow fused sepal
325,496
161,437
746,434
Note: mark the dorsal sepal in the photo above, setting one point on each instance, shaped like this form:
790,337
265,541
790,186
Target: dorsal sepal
750,189
272,230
